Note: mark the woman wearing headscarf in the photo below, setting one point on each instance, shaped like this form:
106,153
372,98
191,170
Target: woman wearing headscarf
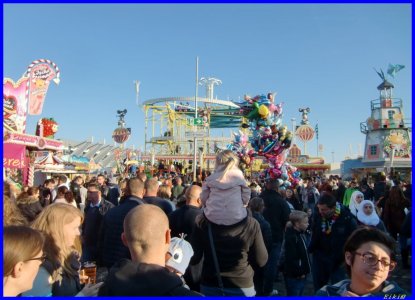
355,200
366,215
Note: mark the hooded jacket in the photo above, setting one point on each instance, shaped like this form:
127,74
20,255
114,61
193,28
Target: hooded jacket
224,197
390,288
128,278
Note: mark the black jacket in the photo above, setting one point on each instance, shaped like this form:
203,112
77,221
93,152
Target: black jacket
238,248
113,194
297,261
30,210
265,229
93,218
295,202
75,189
128,278
276,213
406,227
379,189
166,205
110,239
45,193
182,220
330,246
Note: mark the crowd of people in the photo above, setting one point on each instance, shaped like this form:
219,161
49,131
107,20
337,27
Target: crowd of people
222,235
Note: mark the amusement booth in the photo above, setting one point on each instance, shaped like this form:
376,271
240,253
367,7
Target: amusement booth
27,155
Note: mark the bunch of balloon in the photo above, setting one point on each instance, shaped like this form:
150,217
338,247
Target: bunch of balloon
240,147
269,139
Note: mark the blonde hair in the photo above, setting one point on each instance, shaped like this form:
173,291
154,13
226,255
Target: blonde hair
51,221
225,161
20,243
296,216
164,191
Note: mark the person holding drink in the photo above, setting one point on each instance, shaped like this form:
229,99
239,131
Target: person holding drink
59,274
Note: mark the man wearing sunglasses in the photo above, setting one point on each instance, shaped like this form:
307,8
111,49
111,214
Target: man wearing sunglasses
369,256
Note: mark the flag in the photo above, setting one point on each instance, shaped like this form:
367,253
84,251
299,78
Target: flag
40,72
381,74
393,69
316,130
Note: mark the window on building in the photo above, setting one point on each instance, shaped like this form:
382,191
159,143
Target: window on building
390,114
373,150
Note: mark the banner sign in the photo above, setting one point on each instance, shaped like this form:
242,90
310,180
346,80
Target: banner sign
14,156
33,141
14,105
40,73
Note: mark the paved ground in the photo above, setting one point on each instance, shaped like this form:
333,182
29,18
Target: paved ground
403,277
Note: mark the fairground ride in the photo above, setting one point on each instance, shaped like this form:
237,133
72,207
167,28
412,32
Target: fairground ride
170,126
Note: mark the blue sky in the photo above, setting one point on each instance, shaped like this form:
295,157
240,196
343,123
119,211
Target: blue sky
313,55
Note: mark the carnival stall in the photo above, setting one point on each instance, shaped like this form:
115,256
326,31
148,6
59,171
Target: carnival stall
26,97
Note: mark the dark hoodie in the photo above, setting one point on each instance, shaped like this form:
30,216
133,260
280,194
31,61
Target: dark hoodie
389,289
128,278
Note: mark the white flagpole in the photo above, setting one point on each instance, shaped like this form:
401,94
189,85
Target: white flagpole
137,89
194,138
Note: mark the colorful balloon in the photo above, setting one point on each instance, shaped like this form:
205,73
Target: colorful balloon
263,111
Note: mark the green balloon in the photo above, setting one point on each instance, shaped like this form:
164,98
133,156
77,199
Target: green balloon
253,115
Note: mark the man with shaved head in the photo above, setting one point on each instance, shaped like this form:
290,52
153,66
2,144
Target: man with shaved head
151,187
147,236
182,220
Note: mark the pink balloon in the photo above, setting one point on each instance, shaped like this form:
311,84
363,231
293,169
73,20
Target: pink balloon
279,108
275,173
272,107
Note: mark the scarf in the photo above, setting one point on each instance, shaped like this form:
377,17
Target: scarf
370,220
353,205
327,224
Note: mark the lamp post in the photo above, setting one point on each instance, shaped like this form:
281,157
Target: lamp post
194,138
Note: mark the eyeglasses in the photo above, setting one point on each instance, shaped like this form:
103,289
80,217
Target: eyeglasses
372,260
41,259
